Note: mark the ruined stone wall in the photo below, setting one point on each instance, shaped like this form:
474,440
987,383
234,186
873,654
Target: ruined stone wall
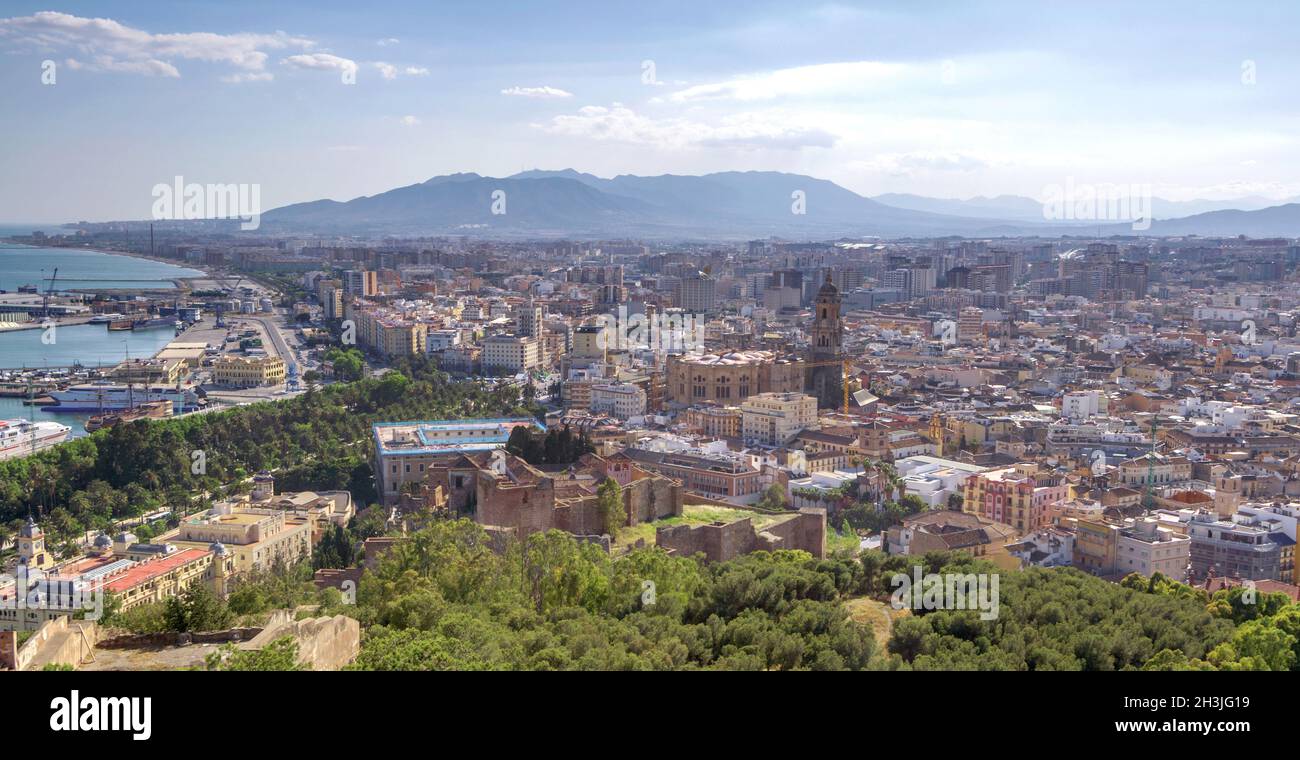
650,499
59,641
805,531
324,643
580,516
719,543
526,508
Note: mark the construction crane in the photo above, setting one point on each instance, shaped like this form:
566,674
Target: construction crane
844,376
1148,499
49,293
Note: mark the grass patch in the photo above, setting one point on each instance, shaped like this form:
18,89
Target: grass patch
880,616
694,514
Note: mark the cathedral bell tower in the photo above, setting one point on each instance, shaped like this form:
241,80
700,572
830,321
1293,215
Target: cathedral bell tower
827,333
827,338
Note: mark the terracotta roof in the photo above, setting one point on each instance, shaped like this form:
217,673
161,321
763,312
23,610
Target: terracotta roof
146,571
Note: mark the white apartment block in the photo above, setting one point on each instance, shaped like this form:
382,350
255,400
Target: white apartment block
619,400
511,354
774,419
1146,547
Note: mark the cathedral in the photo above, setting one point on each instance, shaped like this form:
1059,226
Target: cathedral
825,372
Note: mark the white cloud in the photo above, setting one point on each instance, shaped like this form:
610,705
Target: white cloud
409,121
102,44
387,41
906,164
537,92
619,123
148,67
252,76
321,62
390,71
826,79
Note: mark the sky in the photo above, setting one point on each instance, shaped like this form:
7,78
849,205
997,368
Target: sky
314,100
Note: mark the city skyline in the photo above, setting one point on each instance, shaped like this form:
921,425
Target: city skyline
966,100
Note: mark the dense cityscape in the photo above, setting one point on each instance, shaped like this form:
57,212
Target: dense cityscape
683,344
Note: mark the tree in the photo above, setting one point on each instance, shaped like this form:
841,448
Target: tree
196,609
281,654
609,497
773,498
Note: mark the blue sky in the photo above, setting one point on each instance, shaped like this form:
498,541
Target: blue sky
937,98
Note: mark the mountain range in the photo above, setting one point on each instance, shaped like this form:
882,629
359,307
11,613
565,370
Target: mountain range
724,205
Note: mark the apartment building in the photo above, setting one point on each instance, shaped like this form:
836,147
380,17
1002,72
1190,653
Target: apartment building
774,419
1155,470
1249,550
1018,496
511,354
360,282
619,400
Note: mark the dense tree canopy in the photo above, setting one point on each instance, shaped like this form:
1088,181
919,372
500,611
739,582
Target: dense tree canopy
316,441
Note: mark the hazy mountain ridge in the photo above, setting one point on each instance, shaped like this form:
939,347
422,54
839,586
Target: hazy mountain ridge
727,205
1027,209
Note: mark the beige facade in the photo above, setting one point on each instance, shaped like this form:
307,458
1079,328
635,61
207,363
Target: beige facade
248,371
731,378
774,419
619,400
257,538
511,353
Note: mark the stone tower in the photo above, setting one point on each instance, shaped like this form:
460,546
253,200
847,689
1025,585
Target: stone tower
827,339
31,548
827,332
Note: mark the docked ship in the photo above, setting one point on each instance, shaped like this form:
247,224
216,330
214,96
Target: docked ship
110,397
122,324
22,437
103,319
143,324
156,410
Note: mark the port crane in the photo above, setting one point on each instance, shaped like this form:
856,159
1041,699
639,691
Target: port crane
49,293
221,322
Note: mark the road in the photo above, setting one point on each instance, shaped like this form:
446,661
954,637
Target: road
273,332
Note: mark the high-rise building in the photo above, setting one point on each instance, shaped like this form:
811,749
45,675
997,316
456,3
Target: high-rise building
697,292
360,282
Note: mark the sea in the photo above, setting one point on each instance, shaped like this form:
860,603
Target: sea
89,345
82,269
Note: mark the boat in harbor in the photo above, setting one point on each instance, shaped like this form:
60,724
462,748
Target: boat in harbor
22,437
122,324
148,322
107,397
152,411
103,319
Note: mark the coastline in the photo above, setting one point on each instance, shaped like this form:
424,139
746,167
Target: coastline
179,283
